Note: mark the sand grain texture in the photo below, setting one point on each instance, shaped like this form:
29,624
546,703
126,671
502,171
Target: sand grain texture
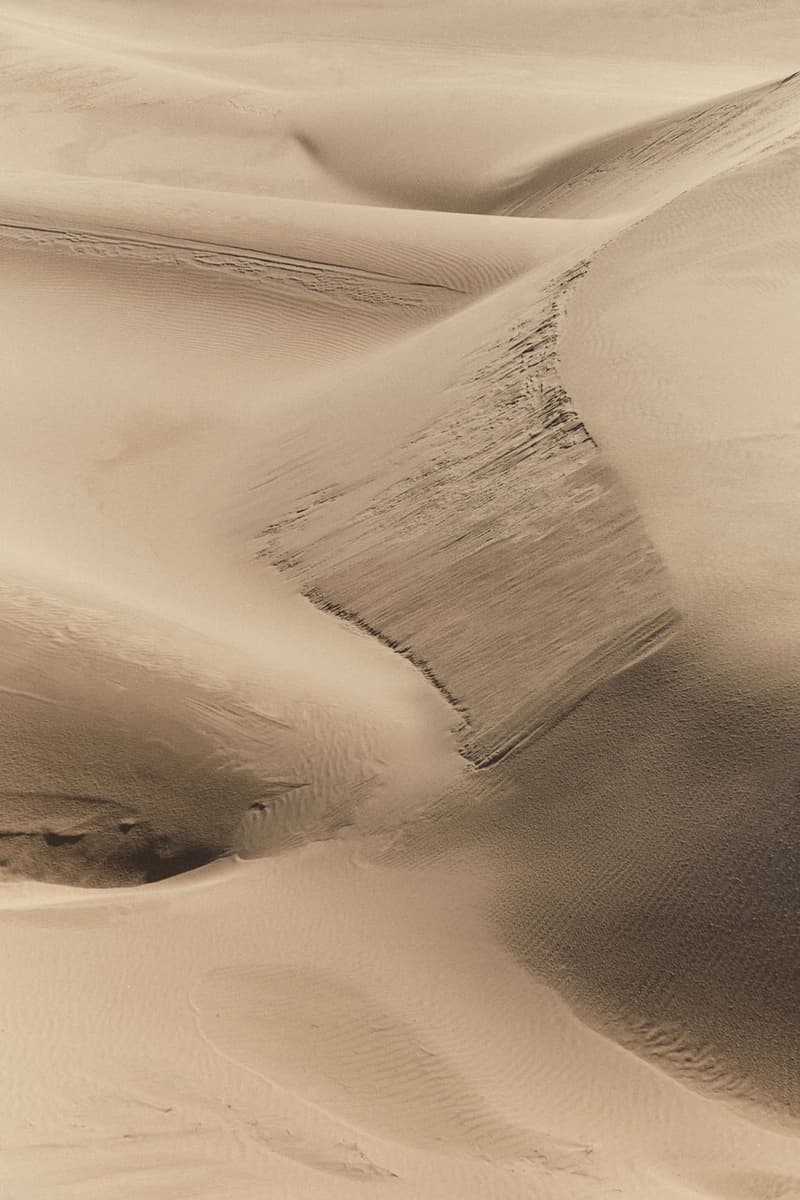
399,594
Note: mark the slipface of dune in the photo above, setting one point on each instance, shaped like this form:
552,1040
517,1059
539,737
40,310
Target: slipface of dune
399,600
486,490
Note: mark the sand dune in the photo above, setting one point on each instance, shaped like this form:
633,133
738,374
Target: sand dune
501,499
398,697
644,167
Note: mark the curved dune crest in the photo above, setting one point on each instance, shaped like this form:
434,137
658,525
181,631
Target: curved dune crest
406,128
641,168
571,174
705,980
502,499
393,390
442,497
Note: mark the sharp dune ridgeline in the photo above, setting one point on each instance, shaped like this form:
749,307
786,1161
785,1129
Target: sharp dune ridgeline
398,605
500,498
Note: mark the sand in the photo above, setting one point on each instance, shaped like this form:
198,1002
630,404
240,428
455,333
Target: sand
399,600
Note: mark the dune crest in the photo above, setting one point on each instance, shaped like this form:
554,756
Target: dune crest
506,498
398,604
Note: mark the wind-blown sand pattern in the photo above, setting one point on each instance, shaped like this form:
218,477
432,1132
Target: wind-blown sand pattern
502,500
399,600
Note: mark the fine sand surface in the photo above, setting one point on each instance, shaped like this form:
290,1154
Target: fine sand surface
400,603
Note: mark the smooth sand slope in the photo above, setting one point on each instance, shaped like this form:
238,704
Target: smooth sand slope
471,325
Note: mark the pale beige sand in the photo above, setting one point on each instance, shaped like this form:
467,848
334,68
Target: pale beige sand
485,486
475,323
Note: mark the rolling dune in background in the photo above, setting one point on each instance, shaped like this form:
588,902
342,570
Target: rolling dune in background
399,594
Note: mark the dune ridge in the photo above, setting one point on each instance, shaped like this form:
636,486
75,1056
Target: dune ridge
361,286
707,1046
644,167
733,130
399,470
478,497
722,255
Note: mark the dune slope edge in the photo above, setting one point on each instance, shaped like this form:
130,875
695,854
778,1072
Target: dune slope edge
504,502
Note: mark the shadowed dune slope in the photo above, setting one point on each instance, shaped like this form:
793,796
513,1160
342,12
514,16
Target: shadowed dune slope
656,850
137,747
586,174
644,855
681,930
407,126
318,496
120,767
486,519
644,859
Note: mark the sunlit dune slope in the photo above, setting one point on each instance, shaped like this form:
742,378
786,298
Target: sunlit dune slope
679,933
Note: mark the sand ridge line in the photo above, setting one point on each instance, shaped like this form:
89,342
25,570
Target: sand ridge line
337,279
287,534
682,135
484,495
625,167
669,341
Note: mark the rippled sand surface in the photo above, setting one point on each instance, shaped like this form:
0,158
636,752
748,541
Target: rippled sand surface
399,605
